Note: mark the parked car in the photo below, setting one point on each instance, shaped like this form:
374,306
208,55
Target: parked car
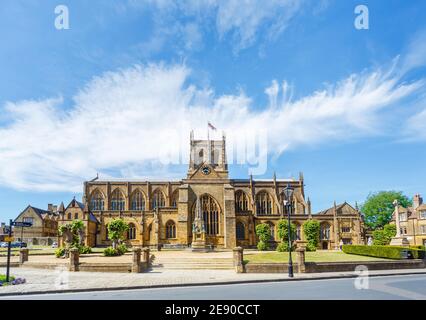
18,244
54,245
3,244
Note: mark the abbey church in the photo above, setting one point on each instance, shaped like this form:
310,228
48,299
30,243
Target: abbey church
164,213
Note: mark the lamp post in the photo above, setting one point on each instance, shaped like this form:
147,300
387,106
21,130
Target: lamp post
288,192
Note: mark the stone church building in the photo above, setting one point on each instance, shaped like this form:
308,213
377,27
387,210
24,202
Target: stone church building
161,213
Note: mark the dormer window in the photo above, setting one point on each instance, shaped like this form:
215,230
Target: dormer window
402,217
423,214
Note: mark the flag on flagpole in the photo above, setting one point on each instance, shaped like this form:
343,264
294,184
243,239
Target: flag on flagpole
211,126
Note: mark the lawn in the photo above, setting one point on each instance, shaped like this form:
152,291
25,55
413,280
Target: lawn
317,256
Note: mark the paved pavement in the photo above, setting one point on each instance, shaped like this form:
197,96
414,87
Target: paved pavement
59,280
382,287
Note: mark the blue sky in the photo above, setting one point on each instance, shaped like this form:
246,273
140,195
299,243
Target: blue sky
345,106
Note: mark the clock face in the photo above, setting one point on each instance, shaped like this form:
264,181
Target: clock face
206,170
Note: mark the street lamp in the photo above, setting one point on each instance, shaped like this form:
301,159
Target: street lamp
288,192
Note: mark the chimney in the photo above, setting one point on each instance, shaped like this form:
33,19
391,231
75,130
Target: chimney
55,208
417,201
50,207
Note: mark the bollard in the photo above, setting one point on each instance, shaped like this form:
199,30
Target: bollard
74,260
23,256
300,252
238,259
136,262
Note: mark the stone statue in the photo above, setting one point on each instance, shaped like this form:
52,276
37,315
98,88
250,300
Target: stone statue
67,238
81,236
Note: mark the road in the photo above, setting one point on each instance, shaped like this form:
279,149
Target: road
383,287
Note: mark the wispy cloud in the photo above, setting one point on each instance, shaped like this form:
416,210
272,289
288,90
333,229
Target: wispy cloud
240,21
127,122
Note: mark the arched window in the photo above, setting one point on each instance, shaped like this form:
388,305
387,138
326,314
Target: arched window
131,232
158,200
117,200
170,230
97,201
138,201
76,215
211,214
69,216
241,201
272,230
325,231
175,198
263,203
241,234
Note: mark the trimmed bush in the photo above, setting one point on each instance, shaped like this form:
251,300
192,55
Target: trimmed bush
283,230
283,247
262,246
263,231
122,249
84,250
311,229
60,252
111,252
389,252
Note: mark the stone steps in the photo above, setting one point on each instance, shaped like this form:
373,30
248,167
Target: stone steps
192,263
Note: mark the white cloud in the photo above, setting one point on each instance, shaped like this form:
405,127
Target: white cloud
128,122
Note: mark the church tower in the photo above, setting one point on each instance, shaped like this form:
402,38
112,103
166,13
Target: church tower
208,157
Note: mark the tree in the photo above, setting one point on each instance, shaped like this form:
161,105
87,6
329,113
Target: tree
283,234
378,207
116,230
263,231
311,229
383,237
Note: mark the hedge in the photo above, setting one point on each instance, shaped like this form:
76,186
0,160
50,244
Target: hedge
389,252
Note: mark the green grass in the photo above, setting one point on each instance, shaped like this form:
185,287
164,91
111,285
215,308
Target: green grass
317,256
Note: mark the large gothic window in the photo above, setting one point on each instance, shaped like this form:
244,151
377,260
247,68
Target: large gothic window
97,201
138,201
325,231
117,201
131,232
211,214
241,201
170,230
263,203
241,234
158,200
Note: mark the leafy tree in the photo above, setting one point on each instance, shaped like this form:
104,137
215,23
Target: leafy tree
116,230
384,236
283,234
311,229
263,231
378,207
